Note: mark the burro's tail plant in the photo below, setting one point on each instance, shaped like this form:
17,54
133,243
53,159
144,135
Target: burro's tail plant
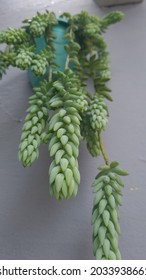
62,111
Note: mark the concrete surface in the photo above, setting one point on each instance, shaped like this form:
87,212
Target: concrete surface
35,226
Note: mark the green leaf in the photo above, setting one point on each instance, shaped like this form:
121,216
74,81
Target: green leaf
106,95
74,60
114,164
103,167
120,171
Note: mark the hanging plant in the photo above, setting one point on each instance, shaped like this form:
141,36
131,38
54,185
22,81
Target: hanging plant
62,112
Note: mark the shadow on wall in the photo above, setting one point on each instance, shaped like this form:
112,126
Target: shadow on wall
109,3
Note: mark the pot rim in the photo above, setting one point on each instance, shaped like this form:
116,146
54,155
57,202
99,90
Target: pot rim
62,21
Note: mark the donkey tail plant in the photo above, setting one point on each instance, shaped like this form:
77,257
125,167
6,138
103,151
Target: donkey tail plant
107,188
62,111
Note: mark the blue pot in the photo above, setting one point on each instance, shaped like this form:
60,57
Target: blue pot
58,43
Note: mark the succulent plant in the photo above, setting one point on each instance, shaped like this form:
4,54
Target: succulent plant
62,111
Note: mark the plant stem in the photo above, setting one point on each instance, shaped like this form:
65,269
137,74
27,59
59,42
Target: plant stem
102,149
68,57
50,74
67,62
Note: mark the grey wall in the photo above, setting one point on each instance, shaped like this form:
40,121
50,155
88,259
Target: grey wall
35,226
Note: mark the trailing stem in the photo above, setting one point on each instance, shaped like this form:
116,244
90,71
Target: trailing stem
68,55
50,74
102,149
67,62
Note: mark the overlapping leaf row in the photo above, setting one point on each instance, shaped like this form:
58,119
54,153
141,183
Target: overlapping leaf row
7,58
93,58
64,137
68,92
41,23
107,188
21,45
34,124
35,27
98,113
25,58
93,122
94,64
90,135
15,39
12,36
63,134
92,44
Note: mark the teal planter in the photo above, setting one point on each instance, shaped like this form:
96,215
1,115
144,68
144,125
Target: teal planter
59,42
